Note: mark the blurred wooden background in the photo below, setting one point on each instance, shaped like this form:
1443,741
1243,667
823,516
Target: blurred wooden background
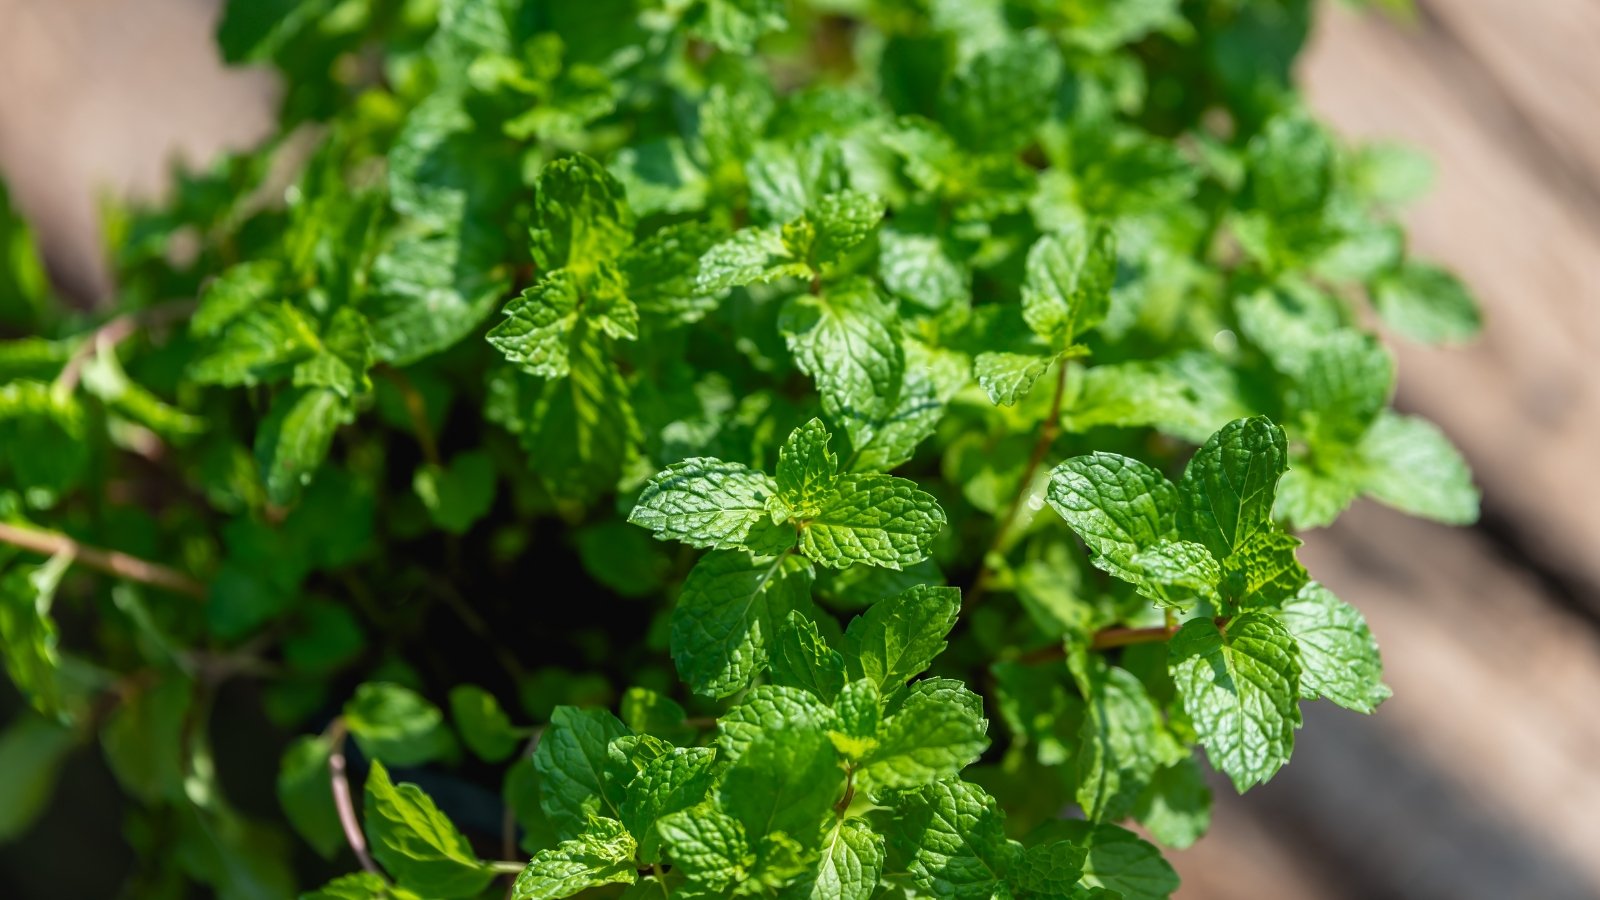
1480,780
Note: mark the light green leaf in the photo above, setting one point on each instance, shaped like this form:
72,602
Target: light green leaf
1176,805
581,216
770,707
934,733
806,469
1176,572
843,221
582,426
1427,304
1240,689
728,614
735,25
662,272
1008,377
572,760
602,854
345,356
897,638
396,724
1051,869
262,344
666,785
1000,96
1338,656
704,503
1410,465
1347,381
851,862
1122,744
42,437
28,635
750,256
1309,497
418,846
360,886
802,659
876,519
1118,506
1118,860
538,325
950,837
785,780
848,340
1067,290
239,289
483,724
1227,491
707,845
1263,571
294,439
918,268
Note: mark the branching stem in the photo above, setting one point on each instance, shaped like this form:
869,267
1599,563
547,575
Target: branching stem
340,780
111,562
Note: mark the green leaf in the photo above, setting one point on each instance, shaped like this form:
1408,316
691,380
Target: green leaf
785,781
802,659
294,439
1411,466
1427,304
767,708
728,614
1122,744
1239,688
1175,572
707,845
662,272
704,503
572,761
418,846
262,344
920,269
1338,656
345,356
1226,493
806,469
1008,377
735,25
1346,383
1068,286
305,791
934,733
42,437
360,886
1051,869
396,724
239,289
582,426
665,786
1118,506
484,726
1263,571
1118,860
876,519
997,100
537,330
602,854
581,216
1176,805
32,750
950,838
897,638
843,221
457,495
750,256
848,340
28,635
852,860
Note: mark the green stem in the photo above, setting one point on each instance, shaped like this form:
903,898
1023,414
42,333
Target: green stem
1047,436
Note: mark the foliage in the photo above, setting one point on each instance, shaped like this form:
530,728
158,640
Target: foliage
530,434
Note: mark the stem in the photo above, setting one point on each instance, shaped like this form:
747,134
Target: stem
1107,638
849,791
1047,436
506,867
417,410
111,562
115,332
341,797
661,879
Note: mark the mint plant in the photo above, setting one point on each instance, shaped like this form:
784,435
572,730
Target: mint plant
707,448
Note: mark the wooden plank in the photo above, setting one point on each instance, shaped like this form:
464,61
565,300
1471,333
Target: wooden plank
1523,403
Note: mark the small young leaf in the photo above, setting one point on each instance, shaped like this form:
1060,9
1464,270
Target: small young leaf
899,637
483,724
1227,491
602,854
1427,304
